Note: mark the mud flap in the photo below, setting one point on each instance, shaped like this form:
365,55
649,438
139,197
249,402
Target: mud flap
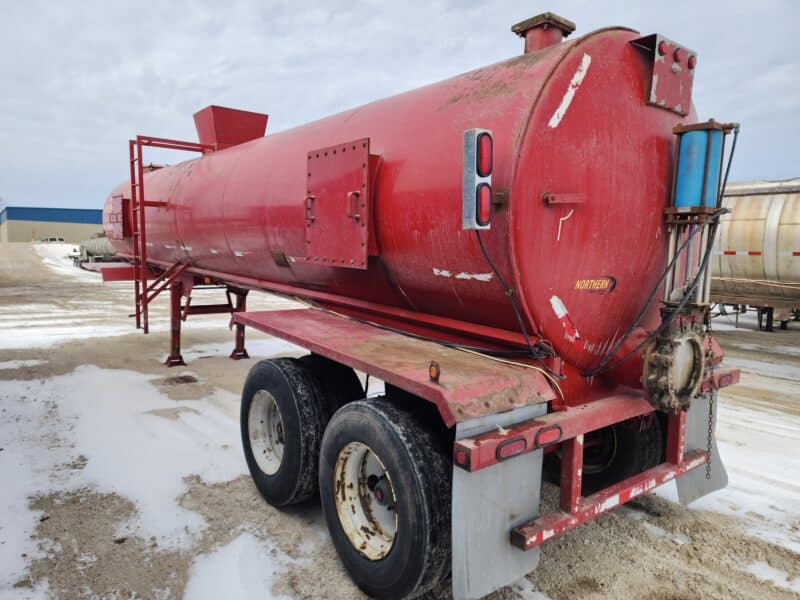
487,504
694,485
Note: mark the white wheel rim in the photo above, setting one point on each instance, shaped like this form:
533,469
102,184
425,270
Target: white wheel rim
365,500
265,425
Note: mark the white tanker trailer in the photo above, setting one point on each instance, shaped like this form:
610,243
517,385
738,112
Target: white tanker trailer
756,262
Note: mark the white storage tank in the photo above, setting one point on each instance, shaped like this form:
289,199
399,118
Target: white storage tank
756,260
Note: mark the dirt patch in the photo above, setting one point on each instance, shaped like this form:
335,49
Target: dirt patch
83,555
681,554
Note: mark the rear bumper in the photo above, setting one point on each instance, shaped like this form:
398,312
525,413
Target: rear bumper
566,429
535,532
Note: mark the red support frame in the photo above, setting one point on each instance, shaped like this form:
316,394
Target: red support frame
143,294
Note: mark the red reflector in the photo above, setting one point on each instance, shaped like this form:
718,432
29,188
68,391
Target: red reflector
662,48
692,61
484,155
549,435
511,448
677,55
484,204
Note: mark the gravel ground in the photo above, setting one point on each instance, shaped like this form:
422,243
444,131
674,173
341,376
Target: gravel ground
125,478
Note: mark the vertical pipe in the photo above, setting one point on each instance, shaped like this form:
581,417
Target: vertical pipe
701,283
707,282
688,269
670,256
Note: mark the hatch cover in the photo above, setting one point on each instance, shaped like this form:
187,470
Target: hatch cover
337,207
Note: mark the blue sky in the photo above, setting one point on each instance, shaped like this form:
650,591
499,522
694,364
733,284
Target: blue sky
80,78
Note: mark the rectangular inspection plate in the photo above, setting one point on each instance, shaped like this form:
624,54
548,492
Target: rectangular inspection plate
337,207
469,385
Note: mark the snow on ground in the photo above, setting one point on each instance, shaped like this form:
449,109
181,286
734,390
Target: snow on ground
19,364
245,568
764,571
56,256
133,440
87,307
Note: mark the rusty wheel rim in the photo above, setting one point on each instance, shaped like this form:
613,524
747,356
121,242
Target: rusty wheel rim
365,500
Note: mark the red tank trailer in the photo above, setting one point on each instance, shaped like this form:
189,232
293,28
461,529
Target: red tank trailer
505,251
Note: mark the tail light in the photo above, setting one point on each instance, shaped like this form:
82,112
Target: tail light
477,179
484,162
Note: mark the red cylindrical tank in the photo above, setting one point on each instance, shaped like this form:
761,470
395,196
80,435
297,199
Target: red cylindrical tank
569,120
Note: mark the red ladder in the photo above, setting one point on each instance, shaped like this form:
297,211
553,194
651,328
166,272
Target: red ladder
143,293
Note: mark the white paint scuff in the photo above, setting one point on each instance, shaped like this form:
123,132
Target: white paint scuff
577,79
475,276
463,275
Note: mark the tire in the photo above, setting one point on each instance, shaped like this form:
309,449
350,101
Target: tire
638,447
338,383
622,450
289,476
416,475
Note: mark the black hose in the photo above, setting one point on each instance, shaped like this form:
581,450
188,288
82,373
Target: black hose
536,351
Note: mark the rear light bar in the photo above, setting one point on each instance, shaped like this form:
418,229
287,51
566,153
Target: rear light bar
476,193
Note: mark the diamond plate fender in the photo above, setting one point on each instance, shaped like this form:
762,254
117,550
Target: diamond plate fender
489,503
694,485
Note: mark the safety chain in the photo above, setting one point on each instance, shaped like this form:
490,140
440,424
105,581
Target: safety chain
712,397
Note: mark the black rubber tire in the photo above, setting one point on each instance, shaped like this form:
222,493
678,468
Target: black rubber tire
338,383
639,447
304,415
421,472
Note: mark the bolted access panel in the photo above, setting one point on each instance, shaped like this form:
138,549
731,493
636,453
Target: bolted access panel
337,209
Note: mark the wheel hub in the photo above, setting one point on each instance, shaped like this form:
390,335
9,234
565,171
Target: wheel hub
265,426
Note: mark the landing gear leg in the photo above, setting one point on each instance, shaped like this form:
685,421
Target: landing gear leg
239,350
175,292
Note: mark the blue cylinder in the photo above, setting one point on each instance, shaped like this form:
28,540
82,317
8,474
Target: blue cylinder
692,162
